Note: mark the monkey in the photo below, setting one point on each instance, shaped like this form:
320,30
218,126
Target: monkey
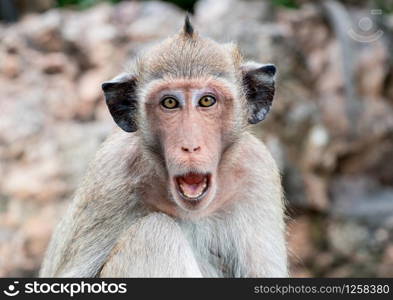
181,188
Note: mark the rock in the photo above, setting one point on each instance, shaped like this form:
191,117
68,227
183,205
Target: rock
38,230
43,33
317,192
18,126
30,182
76,150
300,240
10,66
155,20
386,267
373,67
340,272
55,63
347,237
25,6
232,14
323,261
361,198
90,92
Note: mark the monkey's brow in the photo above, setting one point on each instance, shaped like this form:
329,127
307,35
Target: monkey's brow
165,74
163,88
223,74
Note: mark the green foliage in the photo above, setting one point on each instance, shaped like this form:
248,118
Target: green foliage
286,3
185,4
385,6
82,3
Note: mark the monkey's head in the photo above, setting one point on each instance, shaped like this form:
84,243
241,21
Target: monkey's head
189,100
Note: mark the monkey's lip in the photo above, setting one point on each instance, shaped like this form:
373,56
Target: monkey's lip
192,186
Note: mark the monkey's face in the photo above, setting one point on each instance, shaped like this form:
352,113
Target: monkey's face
189,122
189,99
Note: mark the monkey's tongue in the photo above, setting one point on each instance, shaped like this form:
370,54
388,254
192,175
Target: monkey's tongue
192,185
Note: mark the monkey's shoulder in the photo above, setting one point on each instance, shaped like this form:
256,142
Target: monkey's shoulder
120,147
250,165
254,151
116,159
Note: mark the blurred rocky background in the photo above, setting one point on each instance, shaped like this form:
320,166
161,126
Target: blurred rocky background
330,129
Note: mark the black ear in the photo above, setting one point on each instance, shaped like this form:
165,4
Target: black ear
120,96
258,81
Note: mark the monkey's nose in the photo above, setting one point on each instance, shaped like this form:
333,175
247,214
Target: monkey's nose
191,149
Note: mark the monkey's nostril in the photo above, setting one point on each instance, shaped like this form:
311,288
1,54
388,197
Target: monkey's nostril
190,150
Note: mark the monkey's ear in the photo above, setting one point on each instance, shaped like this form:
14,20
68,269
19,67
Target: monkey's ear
258,82
120,96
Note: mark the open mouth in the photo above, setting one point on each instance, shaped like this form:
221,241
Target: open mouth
193,186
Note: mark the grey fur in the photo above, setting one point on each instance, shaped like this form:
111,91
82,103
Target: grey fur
246,239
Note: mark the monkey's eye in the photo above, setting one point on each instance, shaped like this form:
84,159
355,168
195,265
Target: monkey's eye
207,101
169,103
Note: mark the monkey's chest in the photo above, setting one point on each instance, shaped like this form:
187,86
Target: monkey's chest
214,249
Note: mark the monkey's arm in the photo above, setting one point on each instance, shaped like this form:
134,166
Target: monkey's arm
260,240
154,246
260,217
105,205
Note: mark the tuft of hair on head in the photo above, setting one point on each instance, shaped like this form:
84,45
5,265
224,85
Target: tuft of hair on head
188,30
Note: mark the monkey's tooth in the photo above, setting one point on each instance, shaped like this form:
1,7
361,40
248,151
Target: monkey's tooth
197,193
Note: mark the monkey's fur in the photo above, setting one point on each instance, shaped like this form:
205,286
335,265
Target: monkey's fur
127,221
